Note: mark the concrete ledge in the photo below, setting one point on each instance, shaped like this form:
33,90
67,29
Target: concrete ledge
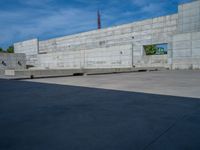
46,73
119,70
25,74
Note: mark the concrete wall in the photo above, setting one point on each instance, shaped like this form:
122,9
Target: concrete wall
30,48
122,46
12,61
111,57
186,51
114,41
189,17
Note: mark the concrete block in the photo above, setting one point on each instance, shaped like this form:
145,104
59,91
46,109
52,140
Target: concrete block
181,45
196,36
182,37
182,53
196,43
10,72
196,52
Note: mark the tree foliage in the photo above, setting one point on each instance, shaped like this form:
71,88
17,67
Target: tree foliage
10,49
1,49
150,49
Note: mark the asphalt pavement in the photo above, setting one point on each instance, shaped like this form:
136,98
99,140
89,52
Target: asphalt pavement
39,116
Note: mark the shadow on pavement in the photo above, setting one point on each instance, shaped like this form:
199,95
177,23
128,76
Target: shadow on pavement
37,116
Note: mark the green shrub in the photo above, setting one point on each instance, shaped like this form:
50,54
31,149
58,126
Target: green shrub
10,49
150,49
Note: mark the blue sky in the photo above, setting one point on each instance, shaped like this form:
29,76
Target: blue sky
26,19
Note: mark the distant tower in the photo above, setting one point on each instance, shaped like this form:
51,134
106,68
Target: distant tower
99,19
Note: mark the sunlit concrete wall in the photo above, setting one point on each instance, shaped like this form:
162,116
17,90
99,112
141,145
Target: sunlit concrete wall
119,46
30,48
189,17
186,43
186,51
12,61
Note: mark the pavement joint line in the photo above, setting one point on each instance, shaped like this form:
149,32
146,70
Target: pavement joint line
167,130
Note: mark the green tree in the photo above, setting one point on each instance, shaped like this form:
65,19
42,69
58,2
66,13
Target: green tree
1,49
150,49
10,49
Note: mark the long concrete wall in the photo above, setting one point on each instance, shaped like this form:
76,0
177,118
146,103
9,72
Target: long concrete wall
120,46
115,47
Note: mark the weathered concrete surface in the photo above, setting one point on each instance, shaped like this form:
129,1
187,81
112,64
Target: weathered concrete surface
176,83
115,47
2,72
42,73
189,17
30,48
36,116
12,61
121,46
69,72
186,51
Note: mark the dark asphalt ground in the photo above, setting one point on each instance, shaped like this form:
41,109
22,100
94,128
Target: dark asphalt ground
37,116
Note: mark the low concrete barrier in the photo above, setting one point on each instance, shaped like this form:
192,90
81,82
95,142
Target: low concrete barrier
69,72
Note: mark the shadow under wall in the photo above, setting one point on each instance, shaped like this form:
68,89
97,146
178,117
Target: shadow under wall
46,116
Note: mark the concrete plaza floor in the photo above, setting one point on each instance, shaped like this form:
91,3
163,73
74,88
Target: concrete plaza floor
40,116
176,83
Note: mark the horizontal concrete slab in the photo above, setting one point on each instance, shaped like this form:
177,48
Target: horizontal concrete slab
176,83
17,74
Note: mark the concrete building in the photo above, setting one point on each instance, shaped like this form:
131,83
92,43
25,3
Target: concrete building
124,46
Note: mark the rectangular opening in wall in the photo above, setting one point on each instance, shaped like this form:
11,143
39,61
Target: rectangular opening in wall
156,49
